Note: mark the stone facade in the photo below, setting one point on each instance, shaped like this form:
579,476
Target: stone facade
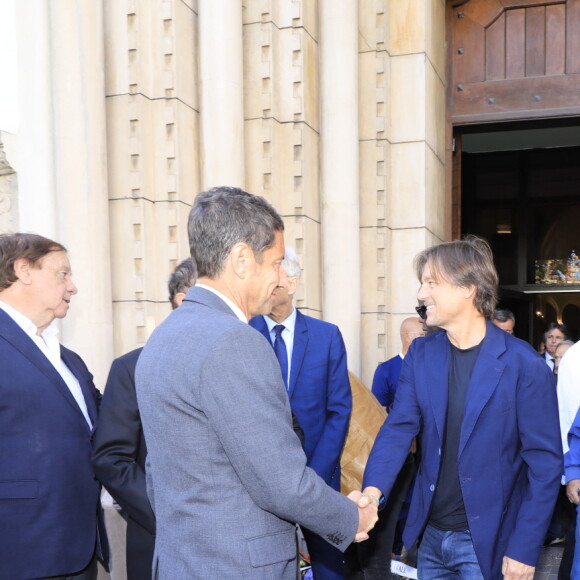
335,112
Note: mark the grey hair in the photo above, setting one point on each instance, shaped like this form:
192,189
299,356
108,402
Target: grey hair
503,315
181,280
566,342
223,217
291,263
467,262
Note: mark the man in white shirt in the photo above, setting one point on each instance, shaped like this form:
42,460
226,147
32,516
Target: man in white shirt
50,497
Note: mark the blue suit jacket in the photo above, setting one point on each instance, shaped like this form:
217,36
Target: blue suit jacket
319,391
49,497
385,381
510,453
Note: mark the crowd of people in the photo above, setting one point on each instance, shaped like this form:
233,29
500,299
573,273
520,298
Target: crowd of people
226,430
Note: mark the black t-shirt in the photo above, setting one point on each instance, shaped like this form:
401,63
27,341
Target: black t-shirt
448,510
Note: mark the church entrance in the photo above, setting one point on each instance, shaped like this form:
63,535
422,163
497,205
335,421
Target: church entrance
513,134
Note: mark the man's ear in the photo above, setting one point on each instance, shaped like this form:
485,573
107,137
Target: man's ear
22,270
469,291
241,258
292,285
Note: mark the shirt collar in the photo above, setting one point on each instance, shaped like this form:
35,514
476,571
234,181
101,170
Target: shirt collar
289,323
237,310
26,324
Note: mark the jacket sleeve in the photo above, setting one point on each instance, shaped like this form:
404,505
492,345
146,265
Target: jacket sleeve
541,450
116,444
326,456
394,440
247,406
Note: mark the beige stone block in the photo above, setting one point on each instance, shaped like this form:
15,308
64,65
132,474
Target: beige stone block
406,198
435,194
134,323
281,74
407,98
405,244
153,148
374,159
373,95
148,241
372,25
435,111
150,48
435,35
283,13
282,165
406,20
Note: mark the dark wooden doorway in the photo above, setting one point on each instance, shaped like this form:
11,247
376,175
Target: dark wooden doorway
521,192
514,77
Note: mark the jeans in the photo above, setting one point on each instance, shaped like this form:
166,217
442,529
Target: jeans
447,555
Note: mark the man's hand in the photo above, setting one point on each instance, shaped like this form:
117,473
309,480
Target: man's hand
514,570
572,490
367,514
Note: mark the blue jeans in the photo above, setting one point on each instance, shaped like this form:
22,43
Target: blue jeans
446,556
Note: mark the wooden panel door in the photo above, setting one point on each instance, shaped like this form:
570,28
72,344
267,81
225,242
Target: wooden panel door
513,59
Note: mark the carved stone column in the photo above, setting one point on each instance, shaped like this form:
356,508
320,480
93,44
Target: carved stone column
222,92
340,171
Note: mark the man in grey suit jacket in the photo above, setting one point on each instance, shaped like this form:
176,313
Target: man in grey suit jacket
227,475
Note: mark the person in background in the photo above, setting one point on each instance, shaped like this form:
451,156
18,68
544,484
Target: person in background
568,406
572,476
119,446
50,511
314,369
504,319
555,334
386,375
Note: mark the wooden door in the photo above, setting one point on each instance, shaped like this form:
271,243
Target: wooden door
513,59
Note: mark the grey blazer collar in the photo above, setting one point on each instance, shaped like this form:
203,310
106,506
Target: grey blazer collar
209,299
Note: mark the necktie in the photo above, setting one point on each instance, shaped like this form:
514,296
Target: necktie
281,352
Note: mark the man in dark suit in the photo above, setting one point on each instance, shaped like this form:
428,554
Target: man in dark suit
316,375
485,405
226,474
120,449
49,497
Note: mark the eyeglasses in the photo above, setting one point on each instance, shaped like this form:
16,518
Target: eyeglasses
422,311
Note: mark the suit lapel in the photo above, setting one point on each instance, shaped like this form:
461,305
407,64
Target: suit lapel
12,333
298,350
437,381
260,324
484,380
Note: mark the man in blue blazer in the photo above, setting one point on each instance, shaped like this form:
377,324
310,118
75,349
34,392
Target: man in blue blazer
484,405
319,392
49,497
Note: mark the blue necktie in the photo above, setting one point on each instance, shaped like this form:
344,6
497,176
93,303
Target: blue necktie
281,352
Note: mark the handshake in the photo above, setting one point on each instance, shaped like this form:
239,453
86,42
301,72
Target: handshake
368,505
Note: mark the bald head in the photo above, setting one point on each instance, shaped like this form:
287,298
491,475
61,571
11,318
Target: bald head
411,328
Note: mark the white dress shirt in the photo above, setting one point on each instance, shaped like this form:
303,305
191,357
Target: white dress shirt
568,390
49,345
